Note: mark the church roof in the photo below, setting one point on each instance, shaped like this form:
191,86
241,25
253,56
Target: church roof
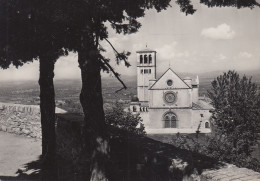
178,83
200,104
145,104
146,50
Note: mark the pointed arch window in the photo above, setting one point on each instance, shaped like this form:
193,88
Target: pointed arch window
134,109
170,120
145,59
141,59
150,59
207,125
166,122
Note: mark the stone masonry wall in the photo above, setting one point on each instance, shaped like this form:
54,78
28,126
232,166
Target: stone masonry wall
230,172
21,119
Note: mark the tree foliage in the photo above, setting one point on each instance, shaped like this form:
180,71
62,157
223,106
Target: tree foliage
236,111
28,29
117,117
232,3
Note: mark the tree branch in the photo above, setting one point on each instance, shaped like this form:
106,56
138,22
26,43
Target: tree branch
115,73
120,56
111,45
115,23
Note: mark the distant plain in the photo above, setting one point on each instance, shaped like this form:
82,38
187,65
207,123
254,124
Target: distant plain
67,91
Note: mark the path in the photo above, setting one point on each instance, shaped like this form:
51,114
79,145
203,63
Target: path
15,151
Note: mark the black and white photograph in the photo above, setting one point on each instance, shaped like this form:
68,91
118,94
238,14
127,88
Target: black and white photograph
130,90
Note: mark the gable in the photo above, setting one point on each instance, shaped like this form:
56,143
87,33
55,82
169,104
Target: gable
177,82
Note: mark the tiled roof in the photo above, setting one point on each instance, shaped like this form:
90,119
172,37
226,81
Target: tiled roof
201,104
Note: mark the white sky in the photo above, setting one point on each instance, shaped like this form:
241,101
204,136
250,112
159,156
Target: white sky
213,39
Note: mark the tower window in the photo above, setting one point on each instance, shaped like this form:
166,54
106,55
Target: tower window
149,71
142,71
207,125
150,59
145,59
146,71
141,59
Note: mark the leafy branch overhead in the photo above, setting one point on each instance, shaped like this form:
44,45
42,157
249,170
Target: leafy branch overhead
30,27
233,3
120,56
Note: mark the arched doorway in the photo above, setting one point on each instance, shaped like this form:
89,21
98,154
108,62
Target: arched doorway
170,120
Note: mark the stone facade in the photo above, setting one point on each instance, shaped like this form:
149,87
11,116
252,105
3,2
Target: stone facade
168,104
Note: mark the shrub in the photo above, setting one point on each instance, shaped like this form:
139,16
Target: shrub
117,117
236,111
215,147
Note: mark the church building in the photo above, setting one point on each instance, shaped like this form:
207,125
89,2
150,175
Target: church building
168,104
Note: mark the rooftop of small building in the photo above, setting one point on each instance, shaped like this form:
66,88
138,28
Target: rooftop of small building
145,50
134,98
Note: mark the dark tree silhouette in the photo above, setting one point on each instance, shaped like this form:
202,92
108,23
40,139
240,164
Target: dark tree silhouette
236,111
26,34
86,35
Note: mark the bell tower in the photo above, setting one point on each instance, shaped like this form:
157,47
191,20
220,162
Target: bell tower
146,70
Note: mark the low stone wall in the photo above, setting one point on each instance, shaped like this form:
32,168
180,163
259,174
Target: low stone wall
230,172
21,119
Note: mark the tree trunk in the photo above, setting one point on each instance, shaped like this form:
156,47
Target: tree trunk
47,107
92,104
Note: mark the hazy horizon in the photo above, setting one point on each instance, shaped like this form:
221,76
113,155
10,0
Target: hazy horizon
211,74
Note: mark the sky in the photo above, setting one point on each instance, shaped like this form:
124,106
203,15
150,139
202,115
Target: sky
212,39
